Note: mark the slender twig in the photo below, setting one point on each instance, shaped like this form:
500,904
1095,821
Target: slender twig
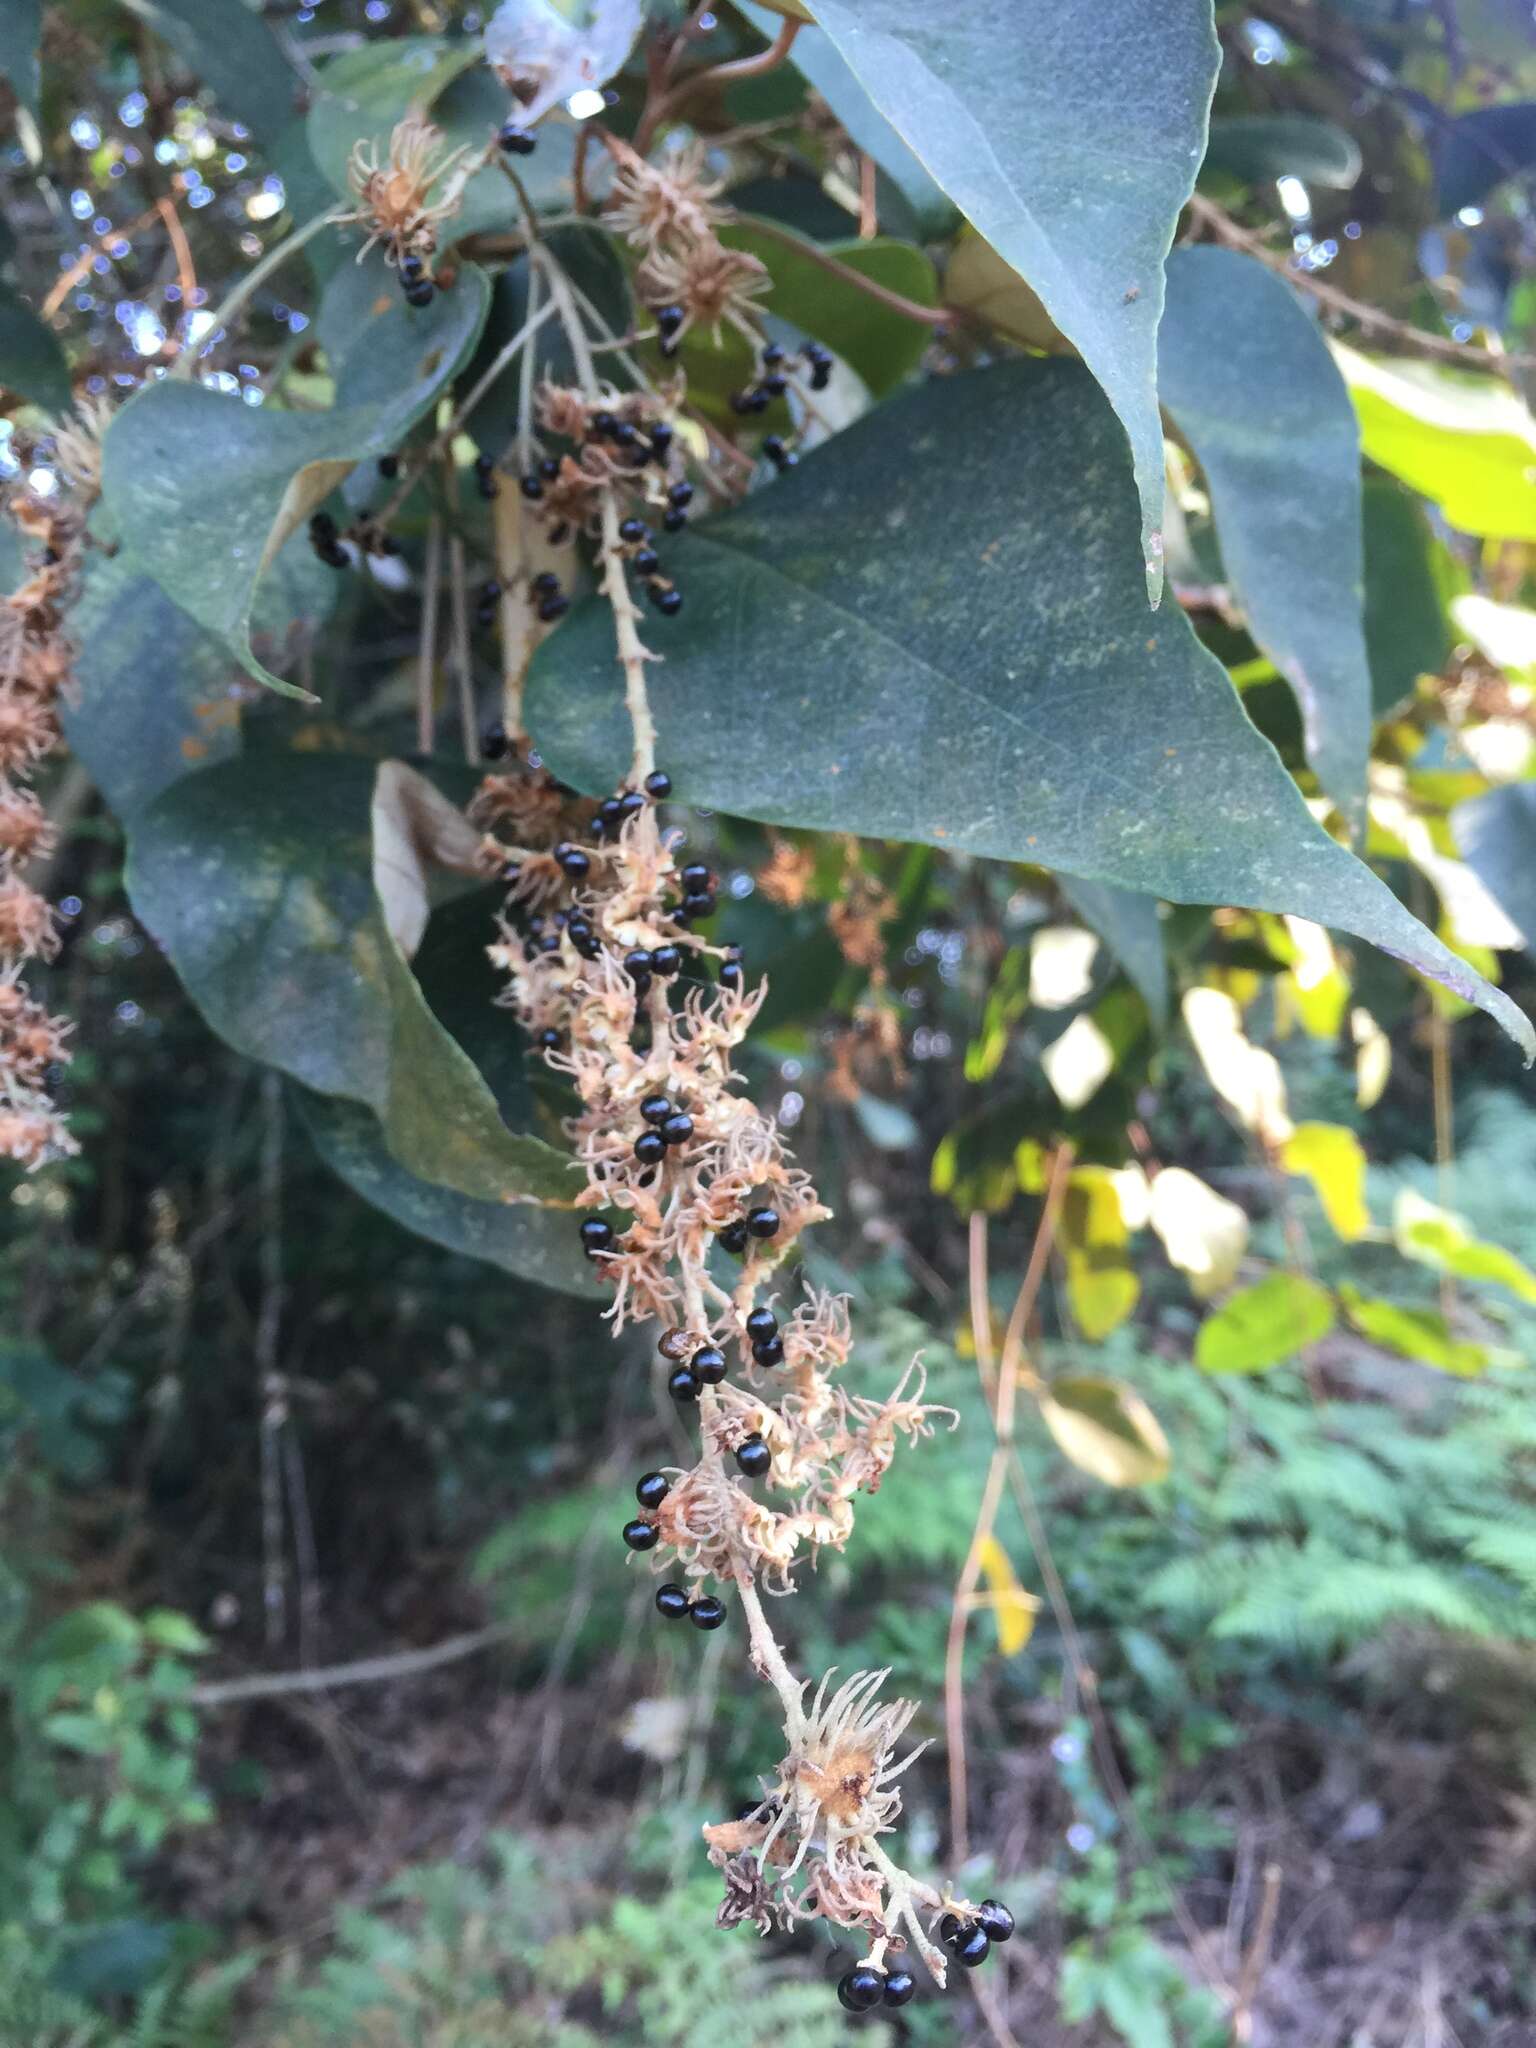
1251,1975
925,316
663,108
245,290
266,1685
271,1396
463,666
427,658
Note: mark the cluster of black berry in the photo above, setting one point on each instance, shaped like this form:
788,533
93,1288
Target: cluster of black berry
773,382
547,598
414,281
760,1223
325,539
669,323
970,1941
864,1987
485,476
643,558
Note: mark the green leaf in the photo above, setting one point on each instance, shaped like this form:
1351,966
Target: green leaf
1284,478
255,877
32,362
1497,837
976,667
1264,1325
884,347
210,488
21,25
815,56
1420,1333
1129,924
1410,576
1435,1237
1071,144
1259,148
229,48
1467,443
1332,1158
1476,151
169,1630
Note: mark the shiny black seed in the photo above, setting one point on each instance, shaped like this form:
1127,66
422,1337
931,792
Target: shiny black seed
763,1222
651,1489
775,386
772,354
658,784
602,423
995,1917
753,1456
517,141
821,377
671,1601
661,439
389,465
322,527
706,1612
708,1365
668,320
421,293
411,267
596,1235
641,1535
609,812
637,962
770,1351
900,1987
677,1130
549,468
731,976
545,584
622,434
631,529
511,872
645,561
668,602
680,495
630,803
860,1988
549,1038
555,607
666,960
682,1385
650,1148
733,1238
698,903
971,1947
744,401
762,1324
574,860
550,943
950,1929
531,487
656,1108
673,520
696,876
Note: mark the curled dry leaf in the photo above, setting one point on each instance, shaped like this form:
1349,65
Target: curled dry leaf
414,828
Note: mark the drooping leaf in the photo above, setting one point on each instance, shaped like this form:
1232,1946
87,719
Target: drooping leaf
1129,924
1479,149
1284,477
210,488
977,667
1421,1333
1070,142
1497,837
883,346
1432,1235
981,285
1106,1429
815,56
1102,1286
21,24
1264,1325
227,46
1260,148
256,878
1014,1608
32,362
1409,577
1331,1157
1464,442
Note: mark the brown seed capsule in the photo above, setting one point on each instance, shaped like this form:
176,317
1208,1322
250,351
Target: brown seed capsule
675,1344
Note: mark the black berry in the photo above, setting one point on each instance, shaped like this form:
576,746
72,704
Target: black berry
682,1385
517,141
950,1928
637,962
671,1601
602,423
545,584
651,1489
770,1351
681,494
421,293
753,1456
677,1130
596,1235
695,876
708,1365
900,1987
706,1611
668,320
549,1038
641,1535
674,519
762,1324
389,465
772,354
658,784
971,1946
859,1990
650,1148
631,529
668,602
775,386
733,1238
656,1108
777,453
531,486
763,1222
411,267
661,439
666,960
575,862
646,561
698,903
631,802
551,608
995,1917
549,468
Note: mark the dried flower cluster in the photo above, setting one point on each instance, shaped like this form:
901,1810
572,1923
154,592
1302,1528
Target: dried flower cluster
686,272
395,197
36,667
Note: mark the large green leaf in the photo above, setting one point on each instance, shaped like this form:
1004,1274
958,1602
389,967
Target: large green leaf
1251,385
32,363
229,48
1497,837
21,23
884,347
1465,442
1263,1325
1410,576
1259,148
893,640
210,488
256,878
1070,138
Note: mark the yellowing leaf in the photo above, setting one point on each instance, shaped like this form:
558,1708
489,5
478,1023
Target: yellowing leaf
1106,1429
415,828
1331,1158
1014,1608
1421,1333
979,281
1101,1286
1078,1063
1437,1238
1243,1075
1373,1058
1263,1325
1203,1233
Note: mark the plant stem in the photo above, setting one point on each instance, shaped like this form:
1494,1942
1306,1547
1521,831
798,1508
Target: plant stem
662,108
925,316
